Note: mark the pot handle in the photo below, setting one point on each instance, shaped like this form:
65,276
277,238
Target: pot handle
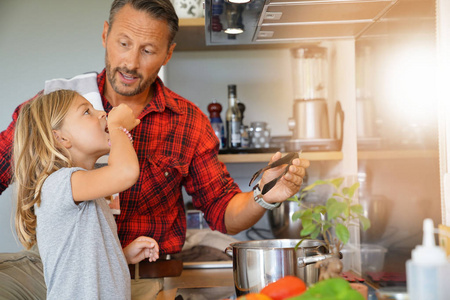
229,251
304,261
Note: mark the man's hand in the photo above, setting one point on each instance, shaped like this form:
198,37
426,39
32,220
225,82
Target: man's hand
289,184
141,248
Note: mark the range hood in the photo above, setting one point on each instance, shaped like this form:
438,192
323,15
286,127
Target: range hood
286,21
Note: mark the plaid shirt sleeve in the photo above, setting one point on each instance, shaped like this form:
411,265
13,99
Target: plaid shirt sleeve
6,141
209,183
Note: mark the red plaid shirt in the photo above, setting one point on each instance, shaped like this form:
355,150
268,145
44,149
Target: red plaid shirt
176,147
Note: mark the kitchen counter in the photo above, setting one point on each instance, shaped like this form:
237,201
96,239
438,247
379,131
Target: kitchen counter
208,284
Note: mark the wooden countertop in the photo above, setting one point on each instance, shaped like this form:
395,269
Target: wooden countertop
220,279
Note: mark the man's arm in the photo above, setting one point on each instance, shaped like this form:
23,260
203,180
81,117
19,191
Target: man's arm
243,212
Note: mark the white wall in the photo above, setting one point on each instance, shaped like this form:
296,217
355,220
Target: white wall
263,79
40,40
47,39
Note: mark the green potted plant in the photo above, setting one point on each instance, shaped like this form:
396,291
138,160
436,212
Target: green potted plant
332,220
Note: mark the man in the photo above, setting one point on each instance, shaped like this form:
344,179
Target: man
175,143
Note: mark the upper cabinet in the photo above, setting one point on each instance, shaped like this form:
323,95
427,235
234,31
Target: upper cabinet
278,23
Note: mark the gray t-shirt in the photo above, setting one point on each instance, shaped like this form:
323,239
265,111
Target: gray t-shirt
78,244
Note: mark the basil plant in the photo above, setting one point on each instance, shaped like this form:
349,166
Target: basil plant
333,219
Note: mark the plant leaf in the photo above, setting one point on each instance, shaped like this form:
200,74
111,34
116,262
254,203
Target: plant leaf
320,182
337,182
357,209
298,244
330,202
335,210
309,187
326,227
297,215
306,221
365,222
352,189
342,233
308,229
307,214
315,233
320,209
293,198
317,217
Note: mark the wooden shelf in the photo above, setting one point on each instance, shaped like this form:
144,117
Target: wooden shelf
200,22
265,157
398,154
332,155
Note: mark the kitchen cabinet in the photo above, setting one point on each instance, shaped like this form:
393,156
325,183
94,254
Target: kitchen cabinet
191,37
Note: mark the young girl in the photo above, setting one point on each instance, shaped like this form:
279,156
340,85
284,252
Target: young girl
60,197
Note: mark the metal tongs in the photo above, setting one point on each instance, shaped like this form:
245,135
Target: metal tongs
287,159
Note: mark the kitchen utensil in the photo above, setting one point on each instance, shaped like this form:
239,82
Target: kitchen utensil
258,263
287,159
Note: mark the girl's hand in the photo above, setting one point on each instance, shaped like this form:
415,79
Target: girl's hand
141,248
122,115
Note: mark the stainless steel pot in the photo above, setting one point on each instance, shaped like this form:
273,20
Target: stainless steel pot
258,263
281,223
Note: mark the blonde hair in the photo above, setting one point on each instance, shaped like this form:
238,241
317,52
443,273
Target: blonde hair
36,155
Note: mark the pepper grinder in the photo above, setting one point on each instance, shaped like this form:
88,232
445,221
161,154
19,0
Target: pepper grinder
214,110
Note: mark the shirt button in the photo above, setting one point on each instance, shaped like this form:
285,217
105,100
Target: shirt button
166,173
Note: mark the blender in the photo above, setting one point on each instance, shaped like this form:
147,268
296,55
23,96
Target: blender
309,123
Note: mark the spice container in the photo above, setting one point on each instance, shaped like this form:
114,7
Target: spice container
259,135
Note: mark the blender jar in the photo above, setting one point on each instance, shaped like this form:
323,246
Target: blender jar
309,73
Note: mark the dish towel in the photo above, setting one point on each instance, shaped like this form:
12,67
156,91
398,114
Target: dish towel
84,84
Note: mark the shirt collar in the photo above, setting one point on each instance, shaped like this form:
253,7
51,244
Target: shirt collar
162,97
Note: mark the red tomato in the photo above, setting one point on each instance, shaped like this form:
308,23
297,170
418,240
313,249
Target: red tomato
254,296
283,288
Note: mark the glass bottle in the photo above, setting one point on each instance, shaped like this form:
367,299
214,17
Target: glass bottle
233,119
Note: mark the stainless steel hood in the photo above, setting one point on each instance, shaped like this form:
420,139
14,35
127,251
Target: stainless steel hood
287,21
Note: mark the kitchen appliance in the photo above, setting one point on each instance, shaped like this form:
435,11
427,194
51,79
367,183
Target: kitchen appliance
315,125
310,119
258,263
309,124
309,71
280,21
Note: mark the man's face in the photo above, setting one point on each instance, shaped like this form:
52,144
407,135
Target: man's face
136,48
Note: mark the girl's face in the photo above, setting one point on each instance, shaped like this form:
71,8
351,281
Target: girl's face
84,132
